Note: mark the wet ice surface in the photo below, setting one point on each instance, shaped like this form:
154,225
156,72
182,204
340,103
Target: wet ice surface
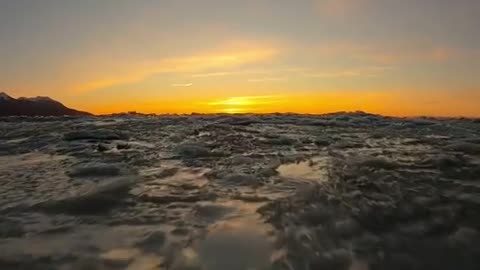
339,191
313,169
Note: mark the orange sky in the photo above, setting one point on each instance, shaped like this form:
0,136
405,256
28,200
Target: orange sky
308,56
386,103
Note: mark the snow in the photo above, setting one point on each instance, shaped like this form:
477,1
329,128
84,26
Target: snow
4,96
37,99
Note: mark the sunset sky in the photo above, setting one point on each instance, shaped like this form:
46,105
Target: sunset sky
395,57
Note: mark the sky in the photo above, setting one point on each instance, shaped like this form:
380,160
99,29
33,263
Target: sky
393,57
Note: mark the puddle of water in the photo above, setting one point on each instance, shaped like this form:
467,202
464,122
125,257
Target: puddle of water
239,241
146,262
134,258
235,245
314,169
122,254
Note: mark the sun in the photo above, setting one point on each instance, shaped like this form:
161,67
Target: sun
241,104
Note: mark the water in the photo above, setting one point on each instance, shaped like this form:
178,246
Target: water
239,240
314,169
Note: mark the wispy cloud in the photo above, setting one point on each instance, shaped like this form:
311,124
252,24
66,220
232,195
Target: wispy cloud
286,73
231,73
267,79
213,74
352,72
385,54
182,84
434,54
227,57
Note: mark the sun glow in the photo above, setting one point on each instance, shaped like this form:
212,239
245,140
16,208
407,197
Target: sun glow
242,104
395,103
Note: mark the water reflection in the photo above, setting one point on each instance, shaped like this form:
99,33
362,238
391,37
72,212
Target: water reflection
239,241
238,246
314,169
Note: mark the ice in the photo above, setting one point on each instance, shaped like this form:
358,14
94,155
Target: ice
96,169
193,151
241,179
239,160
92,199
153,241
99,134
467,148
276,191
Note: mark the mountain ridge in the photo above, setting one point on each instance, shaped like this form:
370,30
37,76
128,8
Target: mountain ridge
35,106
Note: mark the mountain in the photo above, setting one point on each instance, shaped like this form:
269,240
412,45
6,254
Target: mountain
37,106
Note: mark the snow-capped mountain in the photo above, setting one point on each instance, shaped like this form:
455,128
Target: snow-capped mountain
36,106
4,96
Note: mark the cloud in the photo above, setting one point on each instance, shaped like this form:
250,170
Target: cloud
234,54
434,54
353,72
285,73
231,73
267,79
335,74
386,54
182,84
213,74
